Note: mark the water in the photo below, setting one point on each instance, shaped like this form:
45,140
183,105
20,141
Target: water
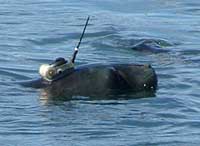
36,32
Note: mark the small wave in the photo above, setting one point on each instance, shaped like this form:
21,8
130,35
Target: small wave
151,45
190,52
12,74
16,69
143,44
46,41
39,60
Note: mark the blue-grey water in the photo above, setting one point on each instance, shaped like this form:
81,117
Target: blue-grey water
33,32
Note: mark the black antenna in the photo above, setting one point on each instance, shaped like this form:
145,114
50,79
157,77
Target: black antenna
79,43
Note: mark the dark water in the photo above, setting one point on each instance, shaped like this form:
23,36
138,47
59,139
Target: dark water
36,32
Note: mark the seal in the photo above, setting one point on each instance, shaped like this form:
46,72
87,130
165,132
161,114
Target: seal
99,79
62,78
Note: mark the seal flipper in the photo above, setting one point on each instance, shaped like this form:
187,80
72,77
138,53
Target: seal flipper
140,77
119,81
39,83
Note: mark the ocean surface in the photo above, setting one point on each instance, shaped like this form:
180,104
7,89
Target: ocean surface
33,32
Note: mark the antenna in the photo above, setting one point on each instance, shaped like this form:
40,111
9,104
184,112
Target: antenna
79,43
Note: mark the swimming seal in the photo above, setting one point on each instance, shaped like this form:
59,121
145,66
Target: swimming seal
98,79
62,78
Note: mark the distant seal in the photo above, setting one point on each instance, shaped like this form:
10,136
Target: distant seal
149,46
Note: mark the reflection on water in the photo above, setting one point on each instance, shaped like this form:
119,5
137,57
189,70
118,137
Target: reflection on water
46,96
